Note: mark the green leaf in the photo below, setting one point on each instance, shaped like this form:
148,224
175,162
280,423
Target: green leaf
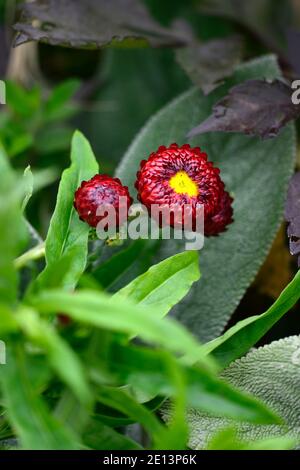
117,314
35,182
270,373
55,106
120,400
20,101
8,322
98,436
204,390
241,337
67,235
60,356
110,270
27,412
28,183
165,283
256,173
11,222
53,139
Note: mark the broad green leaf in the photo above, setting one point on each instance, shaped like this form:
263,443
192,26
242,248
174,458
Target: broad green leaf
27,412
67,235
165,283
256,173
117,314
241,337
205,391
98,436
227,439
60,356
271,373
13,232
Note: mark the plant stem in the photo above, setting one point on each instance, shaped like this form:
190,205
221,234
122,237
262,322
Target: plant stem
33,254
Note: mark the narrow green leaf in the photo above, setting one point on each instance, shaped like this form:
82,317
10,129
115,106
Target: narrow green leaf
118,314
205,391
67,235
120,400
109,271
241,337
98,436
27,412
165,283
28,184
11,222
35,182
60,356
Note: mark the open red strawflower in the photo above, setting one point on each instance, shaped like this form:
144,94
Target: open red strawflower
182,175
102,190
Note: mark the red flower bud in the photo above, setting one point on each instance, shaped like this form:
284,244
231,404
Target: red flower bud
102,190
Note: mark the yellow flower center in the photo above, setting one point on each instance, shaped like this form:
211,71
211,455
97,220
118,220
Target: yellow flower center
183,184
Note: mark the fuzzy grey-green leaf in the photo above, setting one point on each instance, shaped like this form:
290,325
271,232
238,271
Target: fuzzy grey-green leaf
272,374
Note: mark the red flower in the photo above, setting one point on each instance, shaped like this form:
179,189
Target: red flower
99,191
175,176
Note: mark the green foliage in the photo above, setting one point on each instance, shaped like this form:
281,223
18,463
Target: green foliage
66,242
271,373
27,412
227,439
256,173
32,122
165,283
246,333
94,338
120,383
10,222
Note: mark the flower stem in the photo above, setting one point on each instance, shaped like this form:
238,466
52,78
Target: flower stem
33,254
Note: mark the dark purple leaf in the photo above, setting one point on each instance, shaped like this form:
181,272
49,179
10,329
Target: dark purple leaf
92,24
255,107
293,43
292,215
208,63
